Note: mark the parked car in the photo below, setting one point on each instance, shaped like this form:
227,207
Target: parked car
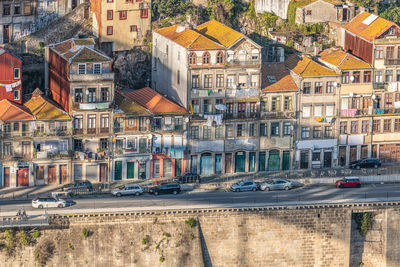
166,189
277,184
80,185
246,185
189,178
348,182
365,163
129,189
48,202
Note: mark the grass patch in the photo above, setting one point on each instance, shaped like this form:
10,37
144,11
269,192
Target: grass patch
191,222
145,241
166,234
70,246
85,233
36,234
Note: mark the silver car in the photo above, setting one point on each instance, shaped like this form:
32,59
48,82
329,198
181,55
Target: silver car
276,185
130,189
48,202
244,186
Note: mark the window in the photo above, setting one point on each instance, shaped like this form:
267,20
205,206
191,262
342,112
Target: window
78,122
206,132
131,122
253,107
207,80
78,95
389,76
387,125
219,132
317,132
318,110
397,125
252,129
178,123
365,126
329,110
166,50
78,145
91,122
328,132
329,87
16,95
378,76
110,14
17,9
219,102
275,103
316,156
240,130
287,128
389,52
398,74
318,88
379,53
206,58
305,132
343,127
109,30
356,77
104,95
306,88
229,108
254,80
345,77
122,15
144,13
263,129
229,131
220,57
220,80
263,105
241,108
388,100
63,145
308,12
306,111
16,126
97,68
6,10
376,126
242,80
156,168
207,106
103,143
287,105
275,129
104,121
195,81
7,149
192,58
178,77
196,106
17,74
194,132
7,128
354,127
133,28
81,68
91,97
230,81
367,76
157,123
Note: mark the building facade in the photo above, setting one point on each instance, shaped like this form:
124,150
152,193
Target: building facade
321,11
10,77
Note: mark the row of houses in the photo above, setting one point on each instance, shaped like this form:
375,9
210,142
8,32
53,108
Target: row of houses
215,107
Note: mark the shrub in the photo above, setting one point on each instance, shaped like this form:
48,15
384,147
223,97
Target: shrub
23,238
85,232
145,241
167,234
70,246
9,236
364,222
191,222
191,236
36,234
162,259
43,252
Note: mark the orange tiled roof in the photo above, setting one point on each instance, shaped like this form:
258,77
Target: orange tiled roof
342,60
219,32
369,32
45,109
128,106
155,102
306,67
279,73
10,111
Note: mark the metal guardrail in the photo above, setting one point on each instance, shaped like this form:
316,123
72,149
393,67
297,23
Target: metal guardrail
29,221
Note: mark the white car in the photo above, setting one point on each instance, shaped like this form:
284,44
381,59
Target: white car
48,202
129,189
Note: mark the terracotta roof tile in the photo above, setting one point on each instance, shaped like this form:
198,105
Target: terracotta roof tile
155,102
128,106
45,109
10,111
219,32
342,60
277,72
369,32
306,67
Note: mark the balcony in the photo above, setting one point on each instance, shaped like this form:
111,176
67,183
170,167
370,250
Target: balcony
15,134
91,131
16,156
58,155
237,62
57,132
91,77
242,93
392,61
91,106
378,85
104,130
78,131
207,93
241,115
278,114
136,130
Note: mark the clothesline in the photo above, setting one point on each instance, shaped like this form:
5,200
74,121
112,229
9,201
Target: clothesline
10,86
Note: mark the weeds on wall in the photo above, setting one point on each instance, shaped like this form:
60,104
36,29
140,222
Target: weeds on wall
191,222
364,222
43,252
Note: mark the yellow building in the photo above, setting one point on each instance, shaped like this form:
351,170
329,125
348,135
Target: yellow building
121,24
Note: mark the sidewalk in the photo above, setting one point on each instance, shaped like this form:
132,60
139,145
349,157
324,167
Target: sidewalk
27,192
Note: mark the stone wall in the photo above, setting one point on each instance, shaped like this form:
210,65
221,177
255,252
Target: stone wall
279,7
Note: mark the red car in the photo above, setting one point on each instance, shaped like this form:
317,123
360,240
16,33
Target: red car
348,182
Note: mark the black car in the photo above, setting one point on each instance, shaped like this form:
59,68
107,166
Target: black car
166,189
80,185
365,163
189,178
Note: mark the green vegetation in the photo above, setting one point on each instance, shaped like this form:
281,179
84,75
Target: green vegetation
70,246
145,241
43,252
23,238
293,5
390,12
36,234
364,222
191,222
191,236
85,232
166,234
169,8
162,259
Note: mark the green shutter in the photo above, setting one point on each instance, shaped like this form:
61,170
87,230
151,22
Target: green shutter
118,170
130,170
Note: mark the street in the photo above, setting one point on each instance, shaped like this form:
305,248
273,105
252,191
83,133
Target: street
306,195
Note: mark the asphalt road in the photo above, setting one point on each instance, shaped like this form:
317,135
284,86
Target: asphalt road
312,194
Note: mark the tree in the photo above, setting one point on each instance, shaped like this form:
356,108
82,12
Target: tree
392,13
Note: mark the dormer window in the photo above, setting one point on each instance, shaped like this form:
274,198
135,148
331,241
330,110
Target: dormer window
206,58
97,68
81,68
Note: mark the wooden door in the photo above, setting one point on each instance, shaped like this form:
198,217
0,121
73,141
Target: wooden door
63,174
103,172
342,156
228,163
353,153
23,177
39,175
6,175
51,174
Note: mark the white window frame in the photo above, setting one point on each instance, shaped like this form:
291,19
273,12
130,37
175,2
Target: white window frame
94,68
79,65
17,95
63,145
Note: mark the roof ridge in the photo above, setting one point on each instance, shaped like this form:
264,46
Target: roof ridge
345,58
194,41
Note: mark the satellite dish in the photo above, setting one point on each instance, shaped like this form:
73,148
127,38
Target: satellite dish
335,84
351,78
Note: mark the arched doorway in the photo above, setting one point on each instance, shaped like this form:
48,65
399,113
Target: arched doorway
274,160
240,161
